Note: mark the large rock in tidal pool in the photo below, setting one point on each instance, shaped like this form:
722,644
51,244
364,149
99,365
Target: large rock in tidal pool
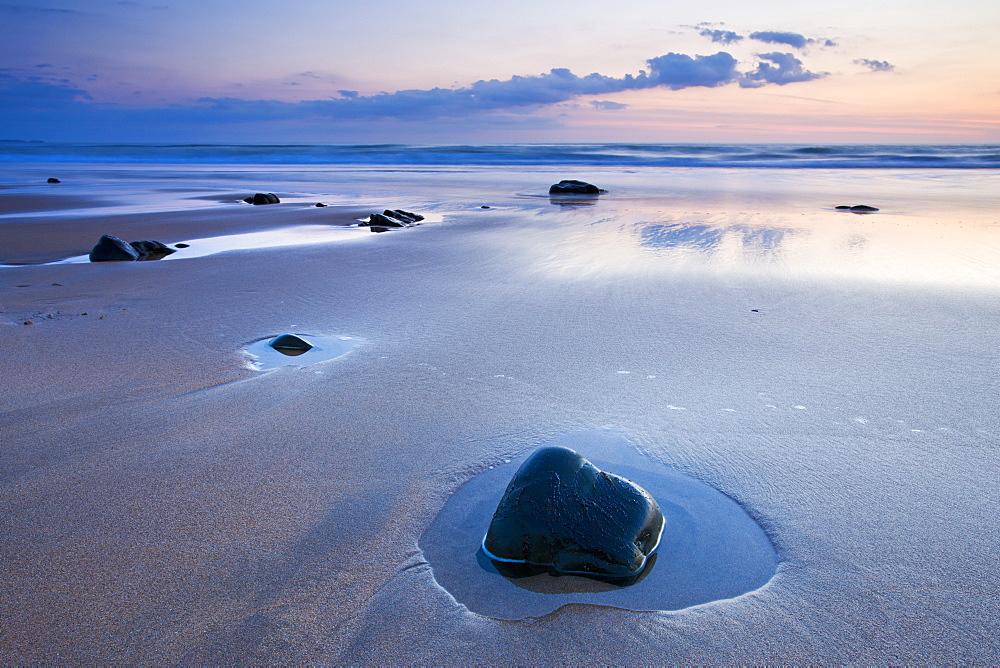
562,513
573,187
113,249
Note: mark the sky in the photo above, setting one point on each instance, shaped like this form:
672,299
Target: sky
451,71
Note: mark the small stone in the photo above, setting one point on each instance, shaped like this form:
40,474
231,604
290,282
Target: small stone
320,204
562,513
29,322
863,208
484,207
182,245
53,179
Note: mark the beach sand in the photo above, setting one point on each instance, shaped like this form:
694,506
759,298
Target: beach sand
834,374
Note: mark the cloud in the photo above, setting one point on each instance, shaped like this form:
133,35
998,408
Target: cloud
29,9
792,39
607,105
876,65
721,36
777,68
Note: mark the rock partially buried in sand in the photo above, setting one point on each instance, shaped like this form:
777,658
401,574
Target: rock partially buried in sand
53,179
572,187
151,250
262,198
563,514
289,344
113,249
858,208
391,218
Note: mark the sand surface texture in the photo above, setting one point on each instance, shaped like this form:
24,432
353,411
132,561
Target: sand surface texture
834,374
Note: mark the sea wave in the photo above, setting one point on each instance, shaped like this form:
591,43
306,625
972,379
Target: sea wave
794,156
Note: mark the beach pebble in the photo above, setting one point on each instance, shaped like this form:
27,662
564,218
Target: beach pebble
572,187
113,249
53,179
320,204
262,198
182,245
562,513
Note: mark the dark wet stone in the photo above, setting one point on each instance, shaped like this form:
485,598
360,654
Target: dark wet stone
572,187
562,513
53,179
290,344
382,220
113,249
484,207
262,198
182,245
320,204
857,208
151,250
405,216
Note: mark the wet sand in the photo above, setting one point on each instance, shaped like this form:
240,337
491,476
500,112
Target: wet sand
833,374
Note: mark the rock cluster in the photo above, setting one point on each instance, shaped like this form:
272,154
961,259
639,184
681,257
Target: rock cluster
390,218
262,198
563,514
572,187
113,249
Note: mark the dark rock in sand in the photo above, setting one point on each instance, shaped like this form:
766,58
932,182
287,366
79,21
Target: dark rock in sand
182,245
113,249
320,204
289,344
53,179
858,208
382,220
571,187
262,198
562,513
405,216
151,250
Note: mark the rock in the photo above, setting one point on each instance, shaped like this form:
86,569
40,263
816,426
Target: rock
262,198
484,207
151,250
858,208
382,220
182,245
405,216
53,179
571,187
290,344
562,513
320,204
113,249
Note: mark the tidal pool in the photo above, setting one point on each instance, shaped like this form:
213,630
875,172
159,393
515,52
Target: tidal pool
711,549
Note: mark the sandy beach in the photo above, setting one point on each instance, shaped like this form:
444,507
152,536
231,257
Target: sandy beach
833,374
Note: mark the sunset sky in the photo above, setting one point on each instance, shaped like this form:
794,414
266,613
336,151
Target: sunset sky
519,71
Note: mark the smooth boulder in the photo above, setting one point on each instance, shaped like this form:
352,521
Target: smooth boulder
262,198
289,344
53,179
113,249
573,187
563,514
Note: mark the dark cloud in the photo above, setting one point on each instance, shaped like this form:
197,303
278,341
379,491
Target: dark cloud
792,39
352,94
876,65
721,36
677,71
777,68
607,105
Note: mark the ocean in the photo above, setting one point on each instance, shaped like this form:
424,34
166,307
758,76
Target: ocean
794,156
